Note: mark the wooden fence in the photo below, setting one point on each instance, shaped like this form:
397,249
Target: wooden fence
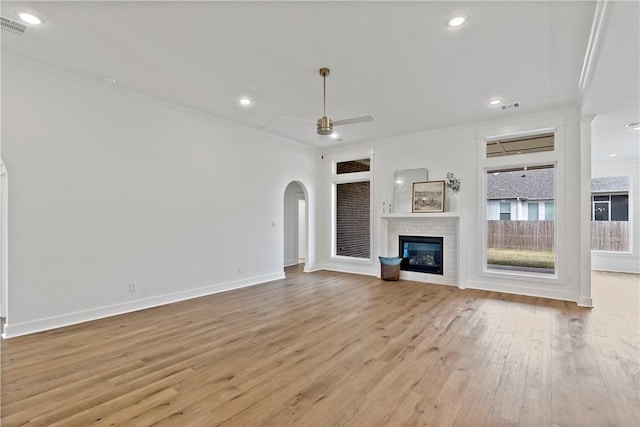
529,235
610,236
538,235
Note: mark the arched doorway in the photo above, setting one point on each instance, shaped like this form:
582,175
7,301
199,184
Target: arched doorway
295,224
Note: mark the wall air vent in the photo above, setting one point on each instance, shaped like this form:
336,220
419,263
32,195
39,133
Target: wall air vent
13,26
509,106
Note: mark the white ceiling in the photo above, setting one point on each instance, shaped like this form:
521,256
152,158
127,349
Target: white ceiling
394,60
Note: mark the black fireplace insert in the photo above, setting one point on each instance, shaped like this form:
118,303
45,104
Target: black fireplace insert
421,253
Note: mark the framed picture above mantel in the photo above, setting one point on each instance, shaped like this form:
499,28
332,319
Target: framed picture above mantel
428,197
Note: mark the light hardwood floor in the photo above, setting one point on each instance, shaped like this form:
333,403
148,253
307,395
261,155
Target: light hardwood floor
338,349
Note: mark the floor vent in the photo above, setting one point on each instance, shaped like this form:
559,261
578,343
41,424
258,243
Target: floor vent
13,26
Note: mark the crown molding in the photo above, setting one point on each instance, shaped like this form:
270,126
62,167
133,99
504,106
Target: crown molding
592,55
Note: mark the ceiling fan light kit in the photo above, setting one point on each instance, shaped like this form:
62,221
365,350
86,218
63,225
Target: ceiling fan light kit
324,126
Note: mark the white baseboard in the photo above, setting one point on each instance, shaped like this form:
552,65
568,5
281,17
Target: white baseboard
616,269
615,262
558,294
39,325
364,270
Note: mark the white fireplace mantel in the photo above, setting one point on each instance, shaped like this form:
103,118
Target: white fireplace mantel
421,216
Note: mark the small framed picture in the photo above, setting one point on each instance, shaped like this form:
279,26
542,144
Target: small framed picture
428,197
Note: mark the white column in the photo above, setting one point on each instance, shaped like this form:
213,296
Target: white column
584,210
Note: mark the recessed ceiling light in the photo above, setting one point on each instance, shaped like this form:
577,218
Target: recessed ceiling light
245,101
30,18
110,80
633,126
457,20
495,101
334,136
612,155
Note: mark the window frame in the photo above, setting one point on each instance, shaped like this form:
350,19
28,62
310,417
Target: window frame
346,178
529,210
552,210
609,202
507,212
553,158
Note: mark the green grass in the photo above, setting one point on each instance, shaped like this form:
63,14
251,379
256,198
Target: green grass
521,258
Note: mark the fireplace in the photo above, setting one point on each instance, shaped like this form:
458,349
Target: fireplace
421,253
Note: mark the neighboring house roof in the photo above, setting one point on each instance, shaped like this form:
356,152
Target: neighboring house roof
535,184
619,183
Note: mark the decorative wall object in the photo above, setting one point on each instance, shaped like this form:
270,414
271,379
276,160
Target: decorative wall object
428,196
453,183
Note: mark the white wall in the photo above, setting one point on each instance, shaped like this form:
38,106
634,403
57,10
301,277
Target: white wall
612,261
109,188
457,150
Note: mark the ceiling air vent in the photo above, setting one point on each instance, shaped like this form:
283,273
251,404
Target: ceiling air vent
509,106
13,26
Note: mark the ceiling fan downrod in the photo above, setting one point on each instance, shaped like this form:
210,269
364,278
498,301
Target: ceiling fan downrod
325,125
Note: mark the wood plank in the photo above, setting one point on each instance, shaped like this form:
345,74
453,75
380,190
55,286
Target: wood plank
330,348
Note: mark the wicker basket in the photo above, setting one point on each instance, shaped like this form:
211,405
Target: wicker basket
390,272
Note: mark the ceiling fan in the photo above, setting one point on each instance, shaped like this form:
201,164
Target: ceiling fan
325,125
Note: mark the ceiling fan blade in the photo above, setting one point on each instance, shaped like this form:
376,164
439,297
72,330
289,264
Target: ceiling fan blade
328,138
296,118
354,120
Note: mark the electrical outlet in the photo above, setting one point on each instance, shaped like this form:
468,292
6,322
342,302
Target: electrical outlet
132,287
239,269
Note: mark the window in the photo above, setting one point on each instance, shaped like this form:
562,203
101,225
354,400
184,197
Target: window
351,166
610,207
548,211
600,208
620,207
505,211
610,222
520,145
610,214
520,241
522,166
352,219
532,211
352,209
